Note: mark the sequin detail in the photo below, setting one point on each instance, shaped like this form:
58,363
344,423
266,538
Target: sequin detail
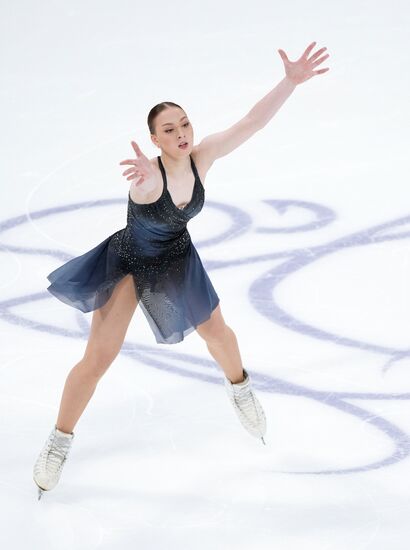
171,284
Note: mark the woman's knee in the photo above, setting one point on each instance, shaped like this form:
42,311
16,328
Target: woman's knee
95,364
213,329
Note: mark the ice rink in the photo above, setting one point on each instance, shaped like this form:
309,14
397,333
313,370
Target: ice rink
305,234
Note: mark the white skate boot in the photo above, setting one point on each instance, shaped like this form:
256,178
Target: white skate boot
48,466
247,406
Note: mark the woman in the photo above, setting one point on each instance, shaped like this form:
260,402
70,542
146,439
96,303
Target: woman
152,262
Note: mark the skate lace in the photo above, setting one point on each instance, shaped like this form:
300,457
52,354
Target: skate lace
56,452
245,400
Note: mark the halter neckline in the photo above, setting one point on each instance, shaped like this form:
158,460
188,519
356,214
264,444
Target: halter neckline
165,182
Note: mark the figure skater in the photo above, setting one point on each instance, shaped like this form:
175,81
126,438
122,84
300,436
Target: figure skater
153,262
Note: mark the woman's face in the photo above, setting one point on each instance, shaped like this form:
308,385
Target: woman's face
172,128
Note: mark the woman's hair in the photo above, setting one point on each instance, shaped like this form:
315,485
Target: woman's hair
156,110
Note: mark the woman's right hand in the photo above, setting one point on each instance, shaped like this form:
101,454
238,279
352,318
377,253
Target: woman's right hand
141,172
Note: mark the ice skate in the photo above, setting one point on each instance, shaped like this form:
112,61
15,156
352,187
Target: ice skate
247,406
48,466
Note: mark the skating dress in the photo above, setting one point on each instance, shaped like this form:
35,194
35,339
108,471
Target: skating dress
171,284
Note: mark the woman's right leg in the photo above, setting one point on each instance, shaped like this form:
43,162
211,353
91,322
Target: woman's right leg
108,329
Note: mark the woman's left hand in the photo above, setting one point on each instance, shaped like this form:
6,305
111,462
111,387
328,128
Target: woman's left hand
302,69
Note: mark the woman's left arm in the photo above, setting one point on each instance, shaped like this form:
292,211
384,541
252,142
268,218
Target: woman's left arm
220,144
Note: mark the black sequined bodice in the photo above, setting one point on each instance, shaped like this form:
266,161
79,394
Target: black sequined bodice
156,233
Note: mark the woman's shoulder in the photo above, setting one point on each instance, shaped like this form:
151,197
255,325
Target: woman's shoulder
202,162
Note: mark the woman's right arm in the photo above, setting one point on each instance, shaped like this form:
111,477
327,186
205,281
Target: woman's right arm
143,177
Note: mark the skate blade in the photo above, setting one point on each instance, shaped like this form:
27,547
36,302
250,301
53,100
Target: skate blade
40,490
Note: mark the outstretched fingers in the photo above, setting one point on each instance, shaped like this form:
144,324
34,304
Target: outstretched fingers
283,56
136,148
138,152
308,49
129,171
319,61
320,71
316,55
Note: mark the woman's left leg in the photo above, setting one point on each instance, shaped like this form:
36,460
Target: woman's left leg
222,345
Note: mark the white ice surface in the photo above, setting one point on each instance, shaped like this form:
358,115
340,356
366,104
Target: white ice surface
160,460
